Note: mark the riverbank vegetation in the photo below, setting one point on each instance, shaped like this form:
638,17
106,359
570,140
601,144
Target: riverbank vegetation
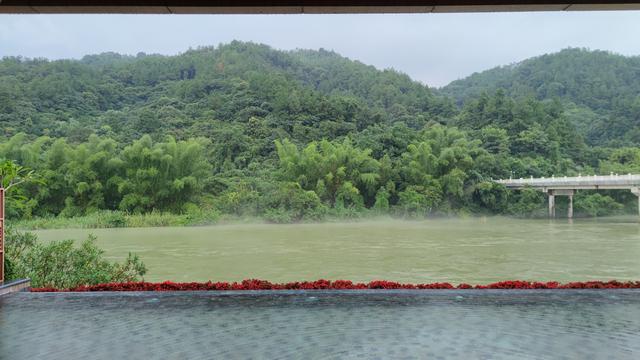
245,131
64,264
118,219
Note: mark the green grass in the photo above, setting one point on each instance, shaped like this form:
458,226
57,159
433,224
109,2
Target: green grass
117,219
111,219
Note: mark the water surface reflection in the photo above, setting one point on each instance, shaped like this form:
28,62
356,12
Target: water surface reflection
571,324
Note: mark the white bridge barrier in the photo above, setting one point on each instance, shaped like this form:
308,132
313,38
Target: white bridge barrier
576,182
566,186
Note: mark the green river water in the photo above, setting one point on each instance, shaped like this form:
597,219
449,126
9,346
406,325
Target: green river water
475,250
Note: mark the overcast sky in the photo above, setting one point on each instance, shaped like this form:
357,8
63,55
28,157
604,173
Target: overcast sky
432,48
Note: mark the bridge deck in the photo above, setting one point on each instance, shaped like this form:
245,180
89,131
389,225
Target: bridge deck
576,182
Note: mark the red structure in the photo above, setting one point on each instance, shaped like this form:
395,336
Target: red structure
1,235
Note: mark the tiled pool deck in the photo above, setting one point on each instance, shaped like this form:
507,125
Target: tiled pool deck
369,324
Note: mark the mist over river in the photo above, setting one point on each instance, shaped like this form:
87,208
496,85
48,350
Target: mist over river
473,250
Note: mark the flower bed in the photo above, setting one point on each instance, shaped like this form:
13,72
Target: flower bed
254,284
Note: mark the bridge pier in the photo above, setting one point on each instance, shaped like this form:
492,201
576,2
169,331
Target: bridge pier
552,201
636,191
570,210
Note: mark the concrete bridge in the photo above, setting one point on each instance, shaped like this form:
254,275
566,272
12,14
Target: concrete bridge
567,186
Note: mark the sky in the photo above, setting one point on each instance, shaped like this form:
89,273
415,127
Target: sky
434,49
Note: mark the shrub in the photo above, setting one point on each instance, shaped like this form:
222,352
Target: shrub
239,200
196,215
530,203
382,200
418,200
596,205
60,264
492,196
288,202
277,215
116,219
16,245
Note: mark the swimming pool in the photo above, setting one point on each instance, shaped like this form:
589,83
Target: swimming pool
459,324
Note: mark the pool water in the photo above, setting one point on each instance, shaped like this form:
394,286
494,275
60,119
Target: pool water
377,324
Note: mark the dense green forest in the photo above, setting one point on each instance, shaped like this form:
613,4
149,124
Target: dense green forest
599,91
244,130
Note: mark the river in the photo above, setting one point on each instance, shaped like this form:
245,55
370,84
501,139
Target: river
474,250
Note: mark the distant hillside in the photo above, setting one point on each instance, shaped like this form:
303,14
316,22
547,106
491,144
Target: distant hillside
135,95
595,79
600,90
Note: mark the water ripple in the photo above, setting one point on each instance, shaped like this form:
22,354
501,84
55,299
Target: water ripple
323,325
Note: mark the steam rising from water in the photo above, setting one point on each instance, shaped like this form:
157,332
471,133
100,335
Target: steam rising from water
473,250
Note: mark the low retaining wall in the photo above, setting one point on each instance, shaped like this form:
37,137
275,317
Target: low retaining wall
15,286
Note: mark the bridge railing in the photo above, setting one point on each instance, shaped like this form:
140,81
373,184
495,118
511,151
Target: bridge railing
582,180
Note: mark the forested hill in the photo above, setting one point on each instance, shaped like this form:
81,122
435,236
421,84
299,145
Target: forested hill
600,90
247,130
237,82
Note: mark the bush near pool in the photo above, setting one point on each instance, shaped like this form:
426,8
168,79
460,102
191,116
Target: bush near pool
253,284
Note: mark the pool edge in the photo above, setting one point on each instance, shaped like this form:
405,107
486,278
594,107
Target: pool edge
19,285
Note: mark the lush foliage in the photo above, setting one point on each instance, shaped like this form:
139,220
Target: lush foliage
599,90
97,174
243,130
11,176
61,264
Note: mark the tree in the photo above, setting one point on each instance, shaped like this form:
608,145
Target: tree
444,161
492,196
12,176
337,171
495,140
164,175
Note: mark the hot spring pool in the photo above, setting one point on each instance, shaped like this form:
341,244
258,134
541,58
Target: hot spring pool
379,324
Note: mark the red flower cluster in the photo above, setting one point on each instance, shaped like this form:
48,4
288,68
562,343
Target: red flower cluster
254,284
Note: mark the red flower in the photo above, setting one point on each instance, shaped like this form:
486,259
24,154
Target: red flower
256,284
